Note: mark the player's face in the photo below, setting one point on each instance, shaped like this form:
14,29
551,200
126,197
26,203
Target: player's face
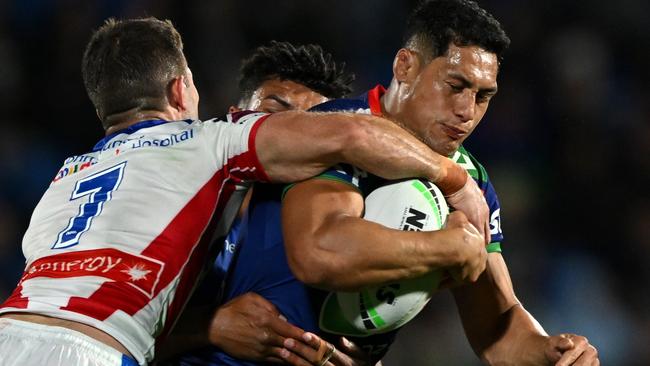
277,95
448,97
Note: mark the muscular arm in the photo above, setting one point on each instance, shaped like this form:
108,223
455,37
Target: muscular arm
495,322
329,246
502,332
296,145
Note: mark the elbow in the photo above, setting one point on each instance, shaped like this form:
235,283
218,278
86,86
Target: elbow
315,270
313,273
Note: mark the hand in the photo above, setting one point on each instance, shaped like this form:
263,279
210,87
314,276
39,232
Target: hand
347,353
250,327
470,200
472,255
570,349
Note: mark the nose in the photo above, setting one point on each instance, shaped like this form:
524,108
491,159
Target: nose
465,105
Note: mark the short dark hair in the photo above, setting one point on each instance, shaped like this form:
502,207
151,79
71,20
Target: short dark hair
128,64
308,65
435,24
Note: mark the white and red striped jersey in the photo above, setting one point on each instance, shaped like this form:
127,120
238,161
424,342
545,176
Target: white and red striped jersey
120,236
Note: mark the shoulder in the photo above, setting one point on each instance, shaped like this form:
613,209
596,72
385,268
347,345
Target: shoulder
475,169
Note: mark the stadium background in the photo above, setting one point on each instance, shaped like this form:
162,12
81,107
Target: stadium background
566,141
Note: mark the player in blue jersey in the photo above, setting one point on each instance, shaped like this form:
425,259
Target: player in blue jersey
443,80
276,77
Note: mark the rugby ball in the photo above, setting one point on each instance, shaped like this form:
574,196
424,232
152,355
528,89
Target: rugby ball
414,205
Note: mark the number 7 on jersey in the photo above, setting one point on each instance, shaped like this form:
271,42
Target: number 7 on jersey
99,187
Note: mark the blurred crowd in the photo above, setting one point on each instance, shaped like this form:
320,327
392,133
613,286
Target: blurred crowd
566,141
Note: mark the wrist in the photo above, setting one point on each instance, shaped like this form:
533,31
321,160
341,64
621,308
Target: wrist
452,179
212,335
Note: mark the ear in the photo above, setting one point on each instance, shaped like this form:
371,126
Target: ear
406,65
233,109
176,93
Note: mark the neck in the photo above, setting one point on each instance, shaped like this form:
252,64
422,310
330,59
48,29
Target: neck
123,120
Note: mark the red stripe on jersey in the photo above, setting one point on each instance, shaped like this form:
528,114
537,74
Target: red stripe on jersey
173,247
16,300
253,151
195,267
374,99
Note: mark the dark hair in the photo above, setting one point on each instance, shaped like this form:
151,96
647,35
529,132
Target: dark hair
308,65
128,64
435,24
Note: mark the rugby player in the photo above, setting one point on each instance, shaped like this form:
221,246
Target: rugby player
118,240
443,80
276,77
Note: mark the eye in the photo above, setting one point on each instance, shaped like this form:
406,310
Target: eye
482,98
457,88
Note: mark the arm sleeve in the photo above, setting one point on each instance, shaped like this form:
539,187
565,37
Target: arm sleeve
343,173
231,141
495,217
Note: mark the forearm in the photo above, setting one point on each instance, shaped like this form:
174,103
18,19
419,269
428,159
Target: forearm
296,145
385,149
349,253
499,329
521,340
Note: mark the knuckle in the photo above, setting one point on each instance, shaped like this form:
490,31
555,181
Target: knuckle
264,336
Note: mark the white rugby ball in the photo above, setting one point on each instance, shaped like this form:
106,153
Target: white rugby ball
415,205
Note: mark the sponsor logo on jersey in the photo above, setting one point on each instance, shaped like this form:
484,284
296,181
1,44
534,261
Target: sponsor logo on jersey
142,141
495,222
81,162
138,271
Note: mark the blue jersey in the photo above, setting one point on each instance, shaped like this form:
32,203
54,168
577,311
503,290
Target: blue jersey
260,265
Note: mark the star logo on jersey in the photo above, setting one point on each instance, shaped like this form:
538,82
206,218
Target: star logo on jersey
137,272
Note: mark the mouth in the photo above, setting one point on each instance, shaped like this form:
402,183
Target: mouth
453,132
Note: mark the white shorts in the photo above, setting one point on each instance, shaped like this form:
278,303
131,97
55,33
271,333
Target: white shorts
30,344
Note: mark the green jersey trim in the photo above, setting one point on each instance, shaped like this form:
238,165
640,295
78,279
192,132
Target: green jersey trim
494,247
322,176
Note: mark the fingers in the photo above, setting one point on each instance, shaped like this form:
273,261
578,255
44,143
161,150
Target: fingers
471,201
456,219
351,349
290,355
588,358
575,350
284,329
311,348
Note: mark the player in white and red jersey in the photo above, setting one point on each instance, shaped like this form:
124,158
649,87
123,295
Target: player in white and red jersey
118,240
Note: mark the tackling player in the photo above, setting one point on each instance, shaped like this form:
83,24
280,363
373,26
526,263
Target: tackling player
115,245
443,80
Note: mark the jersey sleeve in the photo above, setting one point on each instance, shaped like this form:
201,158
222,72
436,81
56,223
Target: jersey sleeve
496,235
231,141
476,170
343,173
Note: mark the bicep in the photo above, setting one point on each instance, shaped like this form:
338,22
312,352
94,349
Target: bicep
311,207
